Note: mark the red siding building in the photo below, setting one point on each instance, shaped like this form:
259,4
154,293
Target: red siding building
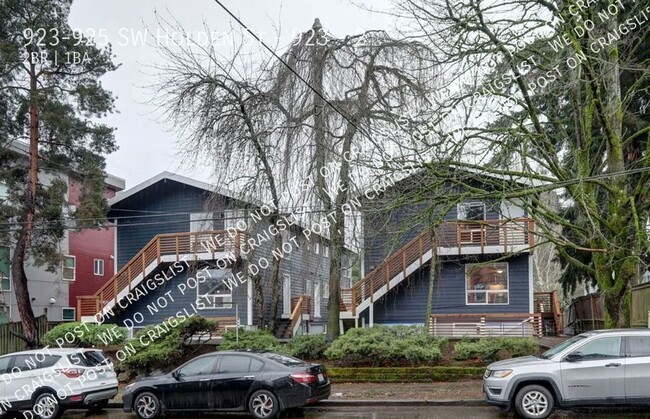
94,250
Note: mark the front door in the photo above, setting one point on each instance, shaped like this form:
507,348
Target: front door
637,368
192,387
235,376
599,376
286,295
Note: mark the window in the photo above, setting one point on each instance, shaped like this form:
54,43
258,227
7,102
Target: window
236,219
5,314
309,287
68,314
89,359
232,364
287,360
4,192
486,284
471,211
201,366
4,363
317,248
98,267
601,348
326,251
69,271
638,345
326,290
5,269
34,361
213,292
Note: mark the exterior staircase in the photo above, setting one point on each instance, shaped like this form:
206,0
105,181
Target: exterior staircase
451,238
282,329
161,251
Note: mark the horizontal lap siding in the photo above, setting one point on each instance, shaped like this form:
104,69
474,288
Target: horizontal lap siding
169,197
177,301
407,302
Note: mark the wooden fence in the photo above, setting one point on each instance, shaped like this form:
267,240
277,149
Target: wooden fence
11,343
586,313
640,305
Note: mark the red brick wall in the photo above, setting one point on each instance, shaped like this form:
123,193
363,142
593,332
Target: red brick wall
87,245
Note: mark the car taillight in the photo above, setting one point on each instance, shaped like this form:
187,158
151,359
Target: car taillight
303,378
72,372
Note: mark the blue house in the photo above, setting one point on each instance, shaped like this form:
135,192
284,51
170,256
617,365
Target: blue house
184,247
475,267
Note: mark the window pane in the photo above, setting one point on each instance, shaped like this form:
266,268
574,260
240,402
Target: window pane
471,211
68,314
35,361
498,298
49,361
4,363
69,262
639,345
476,298
201,366
5,268
256,365
231,364
602,348
283,359
88,359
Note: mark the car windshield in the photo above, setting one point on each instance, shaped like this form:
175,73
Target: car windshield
561,346
289,361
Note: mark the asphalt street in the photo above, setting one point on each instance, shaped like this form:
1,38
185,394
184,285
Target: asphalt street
432,412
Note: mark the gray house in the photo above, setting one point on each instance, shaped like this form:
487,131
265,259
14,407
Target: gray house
184,247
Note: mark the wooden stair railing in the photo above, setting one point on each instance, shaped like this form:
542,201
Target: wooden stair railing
169,244
296,315
381,275
500,232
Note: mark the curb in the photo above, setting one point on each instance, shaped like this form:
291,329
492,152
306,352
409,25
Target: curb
333,404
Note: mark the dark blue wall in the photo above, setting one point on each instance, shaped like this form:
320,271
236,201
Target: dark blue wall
407,302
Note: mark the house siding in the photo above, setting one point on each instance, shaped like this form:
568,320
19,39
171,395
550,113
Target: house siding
407,302
171,197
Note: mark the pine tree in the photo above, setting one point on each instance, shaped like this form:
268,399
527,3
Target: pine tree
52,99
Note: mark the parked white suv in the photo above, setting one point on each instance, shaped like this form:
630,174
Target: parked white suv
49,381
604,367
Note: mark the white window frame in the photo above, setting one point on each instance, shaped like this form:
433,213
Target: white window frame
326,251
74,268
309,287
8,277
95,265
318,298
468,269
226,299
231,216
317,248
74,314
326,290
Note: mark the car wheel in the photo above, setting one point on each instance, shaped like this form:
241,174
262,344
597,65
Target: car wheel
263,405
46,406
98,407
534,402
147,406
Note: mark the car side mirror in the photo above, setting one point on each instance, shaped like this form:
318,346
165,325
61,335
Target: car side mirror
574,356
176,374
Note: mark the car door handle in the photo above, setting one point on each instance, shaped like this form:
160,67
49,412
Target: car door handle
249,377
613,364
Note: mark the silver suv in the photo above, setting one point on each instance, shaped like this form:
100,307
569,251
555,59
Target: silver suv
603,367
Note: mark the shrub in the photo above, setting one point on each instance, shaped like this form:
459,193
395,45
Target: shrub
384,346
250,339
84,335
494,349
161,346
403,374
308,346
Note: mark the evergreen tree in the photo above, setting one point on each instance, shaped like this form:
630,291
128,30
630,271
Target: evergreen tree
50,104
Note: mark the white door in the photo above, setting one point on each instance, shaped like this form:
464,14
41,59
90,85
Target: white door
317,299
286,295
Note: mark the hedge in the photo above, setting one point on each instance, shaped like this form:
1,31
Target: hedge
403,374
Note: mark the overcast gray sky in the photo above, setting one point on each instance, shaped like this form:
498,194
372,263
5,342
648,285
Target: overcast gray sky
147,146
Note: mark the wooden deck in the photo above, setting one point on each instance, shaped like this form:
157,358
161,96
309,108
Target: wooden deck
484,325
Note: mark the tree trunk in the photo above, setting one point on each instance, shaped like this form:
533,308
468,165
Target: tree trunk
432,277
334,301
19,278
275,280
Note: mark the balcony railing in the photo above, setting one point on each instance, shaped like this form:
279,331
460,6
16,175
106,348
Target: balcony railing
488,236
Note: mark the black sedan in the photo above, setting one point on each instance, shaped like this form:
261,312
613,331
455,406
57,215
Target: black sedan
263,383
